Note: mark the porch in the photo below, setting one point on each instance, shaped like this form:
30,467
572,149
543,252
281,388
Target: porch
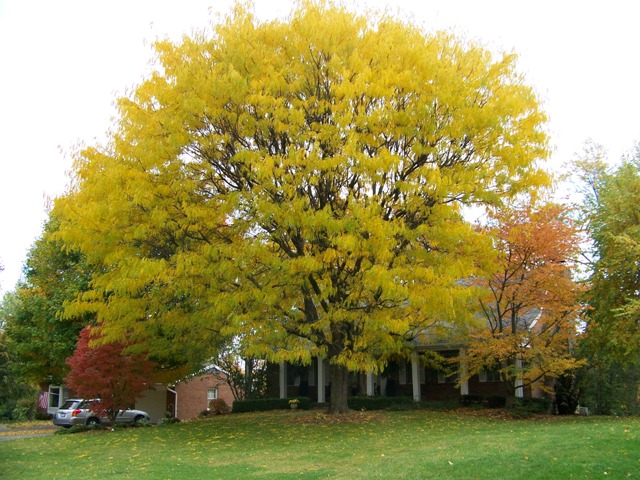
401,378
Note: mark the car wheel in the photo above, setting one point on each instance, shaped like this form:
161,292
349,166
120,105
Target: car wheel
138,418
93,421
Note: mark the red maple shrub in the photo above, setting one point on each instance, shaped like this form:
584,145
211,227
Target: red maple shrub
108,373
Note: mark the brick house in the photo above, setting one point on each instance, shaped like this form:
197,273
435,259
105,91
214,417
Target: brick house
195,393
409,378
286,380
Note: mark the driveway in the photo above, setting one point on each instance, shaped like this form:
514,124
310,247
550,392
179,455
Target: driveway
16,433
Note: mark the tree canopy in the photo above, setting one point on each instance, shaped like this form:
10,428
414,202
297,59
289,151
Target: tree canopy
300,183
39,337
108,374
533,308
610,216
612,219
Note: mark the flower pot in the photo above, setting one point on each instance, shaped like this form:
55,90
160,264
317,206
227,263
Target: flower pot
293,406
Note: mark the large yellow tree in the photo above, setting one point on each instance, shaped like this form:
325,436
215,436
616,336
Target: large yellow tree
299,184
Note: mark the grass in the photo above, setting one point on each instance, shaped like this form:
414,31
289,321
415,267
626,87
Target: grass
311,445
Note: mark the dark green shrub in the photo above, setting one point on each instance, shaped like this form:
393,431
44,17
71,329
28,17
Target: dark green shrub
380,403
468,400
168,419
496,401
263,404
439,405
532,405
43,416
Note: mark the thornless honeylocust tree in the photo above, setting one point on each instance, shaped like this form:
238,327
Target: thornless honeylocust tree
531,314
299,184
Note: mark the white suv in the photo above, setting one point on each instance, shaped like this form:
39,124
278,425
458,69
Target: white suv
76,411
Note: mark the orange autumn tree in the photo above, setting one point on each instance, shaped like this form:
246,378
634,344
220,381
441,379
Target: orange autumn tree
531,312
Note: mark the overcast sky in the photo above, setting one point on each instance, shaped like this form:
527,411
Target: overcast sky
62,64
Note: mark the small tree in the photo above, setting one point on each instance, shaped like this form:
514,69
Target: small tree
531,313
107,372
246,376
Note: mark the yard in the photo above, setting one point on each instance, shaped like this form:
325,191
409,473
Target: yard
462,444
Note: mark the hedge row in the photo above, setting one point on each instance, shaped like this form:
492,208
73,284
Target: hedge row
379,403
532,405
263,404
491,401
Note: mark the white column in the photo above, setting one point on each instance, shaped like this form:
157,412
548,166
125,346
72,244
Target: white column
370,392
415,376
321,380
464,372
519,384
283,380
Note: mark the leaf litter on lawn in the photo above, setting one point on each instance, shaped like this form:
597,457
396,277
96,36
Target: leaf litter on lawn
321,418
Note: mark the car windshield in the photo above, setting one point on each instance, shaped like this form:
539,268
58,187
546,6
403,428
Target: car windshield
69,404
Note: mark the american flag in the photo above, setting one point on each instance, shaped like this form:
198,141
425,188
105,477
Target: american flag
43,400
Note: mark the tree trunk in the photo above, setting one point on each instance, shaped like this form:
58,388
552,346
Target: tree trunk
339,377
248,378
510,401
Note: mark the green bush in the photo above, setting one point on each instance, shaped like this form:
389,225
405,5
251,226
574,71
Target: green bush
496,401
468,400
263,404
531,405
438,405
168,419
380,403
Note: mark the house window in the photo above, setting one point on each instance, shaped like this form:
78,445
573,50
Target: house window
432,375
489,376
404,373
54,396
212,394
312,373
444,378
295,373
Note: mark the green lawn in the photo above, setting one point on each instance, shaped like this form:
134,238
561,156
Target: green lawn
308,445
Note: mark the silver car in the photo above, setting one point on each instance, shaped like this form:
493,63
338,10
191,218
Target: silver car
77,411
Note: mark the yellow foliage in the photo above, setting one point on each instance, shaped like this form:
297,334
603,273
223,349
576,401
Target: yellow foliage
299,184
